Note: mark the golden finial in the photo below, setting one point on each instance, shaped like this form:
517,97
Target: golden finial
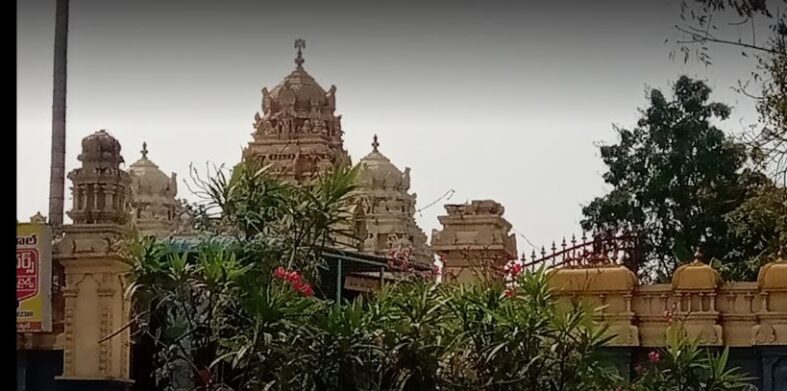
300,44
375,144
144,150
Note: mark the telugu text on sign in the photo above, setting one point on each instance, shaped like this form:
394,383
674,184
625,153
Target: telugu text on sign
34,277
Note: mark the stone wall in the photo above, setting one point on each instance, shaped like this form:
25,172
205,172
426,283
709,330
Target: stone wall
749,317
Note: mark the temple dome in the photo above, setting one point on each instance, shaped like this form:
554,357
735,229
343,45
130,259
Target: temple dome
302,86
298,95
601,279
377,171
102,149
696,275
150,181
773,276
389,209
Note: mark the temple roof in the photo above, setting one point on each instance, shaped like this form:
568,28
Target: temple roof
377,171
298,94
149,181
100,149
302,84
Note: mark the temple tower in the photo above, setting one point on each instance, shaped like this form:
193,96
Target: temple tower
153,204
475,242
95,352
298,133
388,209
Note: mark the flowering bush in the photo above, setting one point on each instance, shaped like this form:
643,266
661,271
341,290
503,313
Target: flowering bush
683,365
244,315
295,280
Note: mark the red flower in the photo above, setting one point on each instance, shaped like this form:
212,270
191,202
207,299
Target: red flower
295,280
308,291
515,270
510,292
280,272
654,357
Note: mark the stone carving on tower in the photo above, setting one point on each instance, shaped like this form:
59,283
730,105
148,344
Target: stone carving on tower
388,209
298,134
475,242
100,187
155,210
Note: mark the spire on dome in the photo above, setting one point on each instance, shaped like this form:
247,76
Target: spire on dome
144,150
375,144
300,43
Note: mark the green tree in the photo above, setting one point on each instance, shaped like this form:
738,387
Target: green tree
718,22
675,177
760,225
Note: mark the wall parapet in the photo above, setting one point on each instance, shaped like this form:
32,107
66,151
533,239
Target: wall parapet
739,314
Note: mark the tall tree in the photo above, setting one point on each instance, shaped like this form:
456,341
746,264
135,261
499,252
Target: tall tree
734,24
57,168
675,177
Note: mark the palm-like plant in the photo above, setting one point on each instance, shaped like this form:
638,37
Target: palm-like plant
518,339
684,365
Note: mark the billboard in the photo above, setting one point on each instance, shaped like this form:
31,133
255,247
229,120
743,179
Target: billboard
33,277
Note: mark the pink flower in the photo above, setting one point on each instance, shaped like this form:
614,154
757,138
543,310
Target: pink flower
295,280
639,369
654,357
280,273
515,270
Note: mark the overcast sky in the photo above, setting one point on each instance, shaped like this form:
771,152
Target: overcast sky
493,100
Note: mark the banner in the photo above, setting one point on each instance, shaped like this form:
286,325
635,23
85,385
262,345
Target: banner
33,277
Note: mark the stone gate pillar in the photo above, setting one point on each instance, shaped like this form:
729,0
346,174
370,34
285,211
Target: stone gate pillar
96,343
475,242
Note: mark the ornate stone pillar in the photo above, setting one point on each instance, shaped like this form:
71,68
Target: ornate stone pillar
96,346
475,243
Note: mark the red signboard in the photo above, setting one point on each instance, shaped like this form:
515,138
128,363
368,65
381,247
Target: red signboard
27,273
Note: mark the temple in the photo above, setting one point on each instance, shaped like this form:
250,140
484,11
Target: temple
300,136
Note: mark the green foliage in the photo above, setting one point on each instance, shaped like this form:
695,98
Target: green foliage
520,339
675,177
226,326
760,222
683,365
706,23
278,223
233,314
